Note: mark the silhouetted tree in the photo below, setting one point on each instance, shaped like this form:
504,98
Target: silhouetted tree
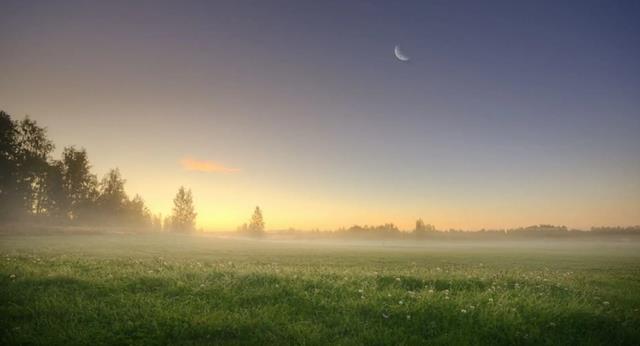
32,152
184,215
31,184
256,225
112,200
422,228
137,213
10,203
57,199
80,185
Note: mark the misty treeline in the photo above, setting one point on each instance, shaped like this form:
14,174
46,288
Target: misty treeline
36,189
428,231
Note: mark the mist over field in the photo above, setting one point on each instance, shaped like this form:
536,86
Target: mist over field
204,289
304,172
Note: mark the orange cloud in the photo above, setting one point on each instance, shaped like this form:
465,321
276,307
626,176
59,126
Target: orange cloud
194,165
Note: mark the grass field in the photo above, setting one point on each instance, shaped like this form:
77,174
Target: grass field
163,289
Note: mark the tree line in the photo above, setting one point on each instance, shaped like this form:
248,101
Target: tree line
38,189
428,231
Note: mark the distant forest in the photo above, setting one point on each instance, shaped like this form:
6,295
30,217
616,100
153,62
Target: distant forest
40,192
422,231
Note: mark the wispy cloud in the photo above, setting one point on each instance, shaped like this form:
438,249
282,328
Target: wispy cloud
194,165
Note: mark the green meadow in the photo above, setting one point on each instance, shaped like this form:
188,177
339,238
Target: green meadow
171,289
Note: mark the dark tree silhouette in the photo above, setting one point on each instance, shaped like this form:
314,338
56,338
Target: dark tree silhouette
57,199
9,197
33,187
32,153
184,215
28,183
80,185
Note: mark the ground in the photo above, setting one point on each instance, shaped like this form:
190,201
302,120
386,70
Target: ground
181,289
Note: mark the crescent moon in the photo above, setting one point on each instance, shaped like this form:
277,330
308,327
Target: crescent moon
401,56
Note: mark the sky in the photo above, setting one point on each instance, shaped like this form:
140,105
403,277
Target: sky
508,113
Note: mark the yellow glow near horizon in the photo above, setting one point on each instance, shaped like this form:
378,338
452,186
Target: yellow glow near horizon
226,210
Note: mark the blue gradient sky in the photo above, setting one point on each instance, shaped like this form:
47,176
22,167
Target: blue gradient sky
508,114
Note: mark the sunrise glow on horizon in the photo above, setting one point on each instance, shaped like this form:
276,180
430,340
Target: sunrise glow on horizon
310,112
